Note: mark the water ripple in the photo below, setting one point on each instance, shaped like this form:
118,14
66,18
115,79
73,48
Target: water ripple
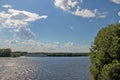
44,68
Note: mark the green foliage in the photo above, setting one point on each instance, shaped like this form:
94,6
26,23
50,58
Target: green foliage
105,49
111,71
8,53
5,52
18,54
15,55
66,54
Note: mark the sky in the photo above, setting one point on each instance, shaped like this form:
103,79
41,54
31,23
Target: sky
54,25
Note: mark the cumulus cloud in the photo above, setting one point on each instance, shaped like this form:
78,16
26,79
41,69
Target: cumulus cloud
119,21
74,47
31,45
85,13
72,6
119,13
48,46
25,33
7,6
18,21
13,41
116,1
17,44
66,5
69,44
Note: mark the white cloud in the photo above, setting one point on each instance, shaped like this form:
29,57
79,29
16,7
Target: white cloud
74,47
14,41
116,1
119,21
28,42
30,45
61,4
72,3
18,21
85,13
7,6
73,7
69,44
47,46
17,44
102,16
29,16
119,13
71,27
81,1
25,33
66,5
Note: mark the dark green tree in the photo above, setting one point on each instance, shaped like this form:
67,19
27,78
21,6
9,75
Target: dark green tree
5,52
105,51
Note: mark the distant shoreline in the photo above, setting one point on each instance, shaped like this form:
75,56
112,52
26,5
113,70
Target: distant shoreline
9,53
43,54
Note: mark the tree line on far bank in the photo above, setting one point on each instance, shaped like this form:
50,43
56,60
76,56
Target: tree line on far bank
9,53
61,54
5,52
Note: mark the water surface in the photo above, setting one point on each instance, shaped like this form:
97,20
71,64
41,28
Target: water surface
45,68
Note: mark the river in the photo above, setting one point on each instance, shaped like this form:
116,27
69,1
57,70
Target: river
45,68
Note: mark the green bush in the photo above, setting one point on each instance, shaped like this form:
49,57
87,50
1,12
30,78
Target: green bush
105,49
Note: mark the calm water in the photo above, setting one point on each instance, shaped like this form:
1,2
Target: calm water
45,68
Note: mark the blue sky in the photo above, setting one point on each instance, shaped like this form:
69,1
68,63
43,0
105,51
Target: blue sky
54,25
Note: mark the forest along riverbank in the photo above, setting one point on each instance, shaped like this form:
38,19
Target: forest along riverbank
9,53
41,54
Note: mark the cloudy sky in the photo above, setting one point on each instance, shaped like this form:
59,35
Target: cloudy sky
54,25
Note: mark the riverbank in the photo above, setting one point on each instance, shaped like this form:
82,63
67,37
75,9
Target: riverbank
9,53
45,54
